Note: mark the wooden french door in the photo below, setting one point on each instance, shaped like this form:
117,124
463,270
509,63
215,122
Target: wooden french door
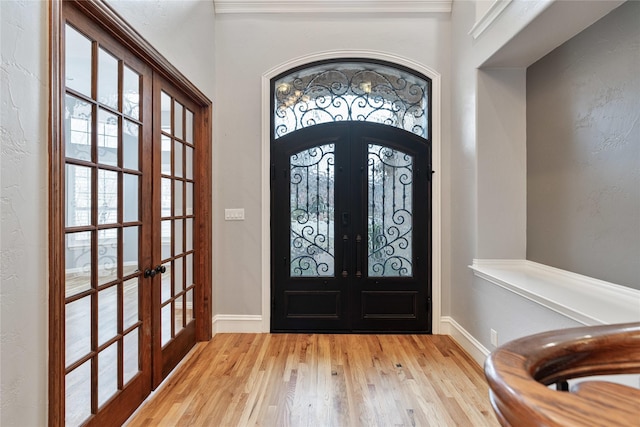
130,239
350,229
174,221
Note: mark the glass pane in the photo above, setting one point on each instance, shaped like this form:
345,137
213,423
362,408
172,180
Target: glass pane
130,245
107,314
77,260
179,307
165,238
177,158
312,212
177,236
77,329
189,268
189,162
107,138
78,395
177,201
107,255
189,237
130,303
77,61
78,195
190,313
166,324
165,197
107,373
351,91
107,79
390,222
77,128
130,187
165,107
130,145
131,93
166,154
177,120
166,283
107,197
130,354
189,126
189,201
178,277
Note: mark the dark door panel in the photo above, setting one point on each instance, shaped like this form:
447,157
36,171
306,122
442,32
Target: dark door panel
350,229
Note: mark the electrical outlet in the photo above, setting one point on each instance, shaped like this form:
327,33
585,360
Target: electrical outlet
494,338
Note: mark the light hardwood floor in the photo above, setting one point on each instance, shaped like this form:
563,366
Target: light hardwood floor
322,380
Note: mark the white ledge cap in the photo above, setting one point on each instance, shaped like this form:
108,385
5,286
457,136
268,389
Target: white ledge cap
584,299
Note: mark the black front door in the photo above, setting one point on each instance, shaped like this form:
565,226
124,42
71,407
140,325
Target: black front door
350,230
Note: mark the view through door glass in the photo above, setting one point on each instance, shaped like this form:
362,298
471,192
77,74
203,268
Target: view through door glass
350,229
174,319
107,323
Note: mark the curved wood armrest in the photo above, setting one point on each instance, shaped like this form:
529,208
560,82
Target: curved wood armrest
520,371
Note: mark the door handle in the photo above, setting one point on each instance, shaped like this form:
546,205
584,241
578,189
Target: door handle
152,272
358,256
345,240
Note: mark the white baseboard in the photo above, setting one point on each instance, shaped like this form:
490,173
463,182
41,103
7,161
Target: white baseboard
448,326
234,323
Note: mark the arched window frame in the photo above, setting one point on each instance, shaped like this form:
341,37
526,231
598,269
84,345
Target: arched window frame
351,89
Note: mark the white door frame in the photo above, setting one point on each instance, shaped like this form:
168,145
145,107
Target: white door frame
436,205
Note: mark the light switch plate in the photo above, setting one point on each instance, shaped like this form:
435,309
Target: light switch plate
234,214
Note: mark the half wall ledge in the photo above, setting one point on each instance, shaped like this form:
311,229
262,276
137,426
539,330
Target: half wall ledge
584,299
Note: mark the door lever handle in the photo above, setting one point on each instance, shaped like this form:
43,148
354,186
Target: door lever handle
345,240
152,272
358,256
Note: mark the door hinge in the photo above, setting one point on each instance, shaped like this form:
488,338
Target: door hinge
428,304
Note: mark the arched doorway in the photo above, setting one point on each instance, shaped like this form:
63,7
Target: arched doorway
351,198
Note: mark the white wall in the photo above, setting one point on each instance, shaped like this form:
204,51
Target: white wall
23,232
247,46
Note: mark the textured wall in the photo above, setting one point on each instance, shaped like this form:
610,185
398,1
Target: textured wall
583,152
23,194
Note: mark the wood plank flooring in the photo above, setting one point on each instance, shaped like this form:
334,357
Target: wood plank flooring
322,380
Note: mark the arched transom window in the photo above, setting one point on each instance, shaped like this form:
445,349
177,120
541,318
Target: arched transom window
351,90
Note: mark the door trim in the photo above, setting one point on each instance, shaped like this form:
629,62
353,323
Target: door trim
436,206
113,24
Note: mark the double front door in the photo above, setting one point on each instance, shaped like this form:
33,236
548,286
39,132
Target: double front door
130,212
350,232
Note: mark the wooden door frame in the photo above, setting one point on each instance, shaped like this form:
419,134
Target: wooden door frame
105,17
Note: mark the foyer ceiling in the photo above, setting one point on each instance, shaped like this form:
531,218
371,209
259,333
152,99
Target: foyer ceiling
332,6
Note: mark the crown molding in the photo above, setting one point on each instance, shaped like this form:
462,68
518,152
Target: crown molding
494,11
332,6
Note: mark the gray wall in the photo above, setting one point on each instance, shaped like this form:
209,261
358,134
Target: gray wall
583,152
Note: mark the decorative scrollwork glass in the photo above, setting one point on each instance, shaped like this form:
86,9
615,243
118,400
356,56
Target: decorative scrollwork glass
312,212
357,91
390,223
